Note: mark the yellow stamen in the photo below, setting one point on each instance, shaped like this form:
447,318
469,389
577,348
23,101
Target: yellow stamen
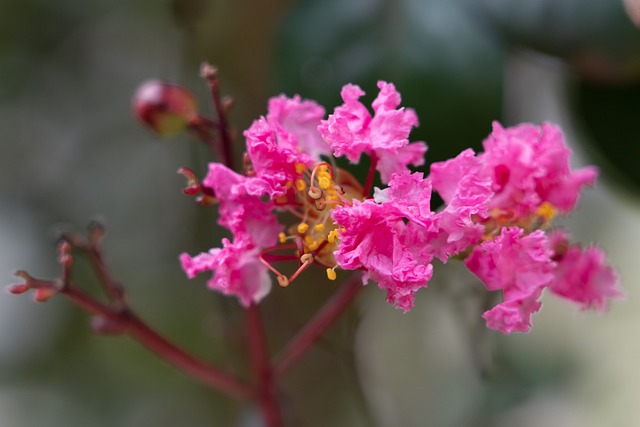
331,274
282,237
301,167
332,196
547,211
301,185
331,237
313,246
319,227
303,227
324,182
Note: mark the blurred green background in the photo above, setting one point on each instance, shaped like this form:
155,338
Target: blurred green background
71,152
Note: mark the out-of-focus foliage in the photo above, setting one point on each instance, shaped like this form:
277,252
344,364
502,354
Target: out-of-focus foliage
602,47
447,59
444,60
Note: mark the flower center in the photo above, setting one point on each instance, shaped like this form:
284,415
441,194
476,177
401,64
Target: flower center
311,198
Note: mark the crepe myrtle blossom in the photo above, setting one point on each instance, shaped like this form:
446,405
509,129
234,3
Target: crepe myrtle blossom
237,270
499,205
581,274
285,172
351,131
522,178
373,237
523,265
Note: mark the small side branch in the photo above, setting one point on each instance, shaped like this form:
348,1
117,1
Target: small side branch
317,326
262,367
117,318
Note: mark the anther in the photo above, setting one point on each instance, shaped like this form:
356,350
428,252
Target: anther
331,274
324,182
306,259
303,227
283,281
282,237
301,185
315,193
319,227
301,167
547,211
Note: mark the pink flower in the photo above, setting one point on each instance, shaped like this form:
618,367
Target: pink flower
274,155
521,266
237,270
583,276
242,209
287,138
467,194
525,165
514,315
446,176
529,165
409,194
390,162
375,238
298,120
351,130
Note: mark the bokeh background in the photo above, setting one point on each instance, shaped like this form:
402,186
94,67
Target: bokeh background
71,152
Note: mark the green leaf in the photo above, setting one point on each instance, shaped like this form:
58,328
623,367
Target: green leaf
444,61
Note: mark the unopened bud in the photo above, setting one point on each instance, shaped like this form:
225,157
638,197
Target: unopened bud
64,253
44,294
96,231
18,288
227,104
166,108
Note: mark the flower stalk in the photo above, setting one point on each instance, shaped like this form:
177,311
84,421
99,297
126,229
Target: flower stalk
317,326
266,380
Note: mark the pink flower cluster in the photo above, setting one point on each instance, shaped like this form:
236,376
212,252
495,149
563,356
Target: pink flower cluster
499,205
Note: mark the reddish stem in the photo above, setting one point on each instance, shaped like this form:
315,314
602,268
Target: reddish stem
110,286
210,74
370,175
323,319
203,132
262,367
90,246
205,373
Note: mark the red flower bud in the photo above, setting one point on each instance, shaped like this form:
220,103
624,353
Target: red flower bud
166,108
44,294
19,288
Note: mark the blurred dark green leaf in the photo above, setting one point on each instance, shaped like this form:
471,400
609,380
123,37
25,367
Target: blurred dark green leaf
444,61
611,114
595,36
